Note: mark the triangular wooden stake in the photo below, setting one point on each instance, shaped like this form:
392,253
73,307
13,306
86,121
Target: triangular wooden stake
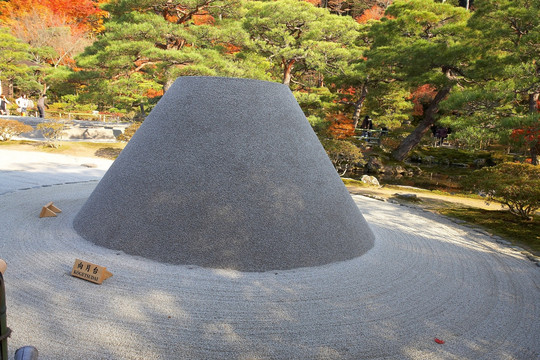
54,208
45,212
49,210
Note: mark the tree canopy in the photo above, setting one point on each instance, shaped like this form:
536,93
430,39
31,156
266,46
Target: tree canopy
471,66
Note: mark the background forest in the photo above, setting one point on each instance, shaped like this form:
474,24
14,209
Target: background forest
470,67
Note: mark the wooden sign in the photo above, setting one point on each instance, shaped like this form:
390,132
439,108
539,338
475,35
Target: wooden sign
49,210
90,272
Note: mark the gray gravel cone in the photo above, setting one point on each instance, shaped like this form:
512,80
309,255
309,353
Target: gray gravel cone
226,173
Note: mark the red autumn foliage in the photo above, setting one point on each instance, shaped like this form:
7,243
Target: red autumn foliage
374,13
203,19
232,49
341,126
80,15
151,93
422,95
528,137
528,134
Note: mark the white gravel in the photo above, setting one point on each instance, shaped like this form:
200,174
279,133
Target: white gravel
425,278
28,169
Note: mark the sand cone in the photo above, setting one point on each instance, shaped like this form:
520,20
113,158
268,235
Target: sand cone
226,173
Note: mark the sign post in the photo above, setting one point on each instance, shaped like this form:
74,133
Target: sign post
90,272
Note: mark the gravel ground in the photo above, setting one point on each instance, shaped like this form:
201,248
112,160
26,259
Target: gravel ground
425,278
26,170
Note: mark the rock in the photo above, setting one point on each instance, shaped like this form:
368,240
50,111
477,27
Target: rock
387,169
483,232
415,158
504,242
374,165
370,180
462,165
428,159
444,161
375,197
479,163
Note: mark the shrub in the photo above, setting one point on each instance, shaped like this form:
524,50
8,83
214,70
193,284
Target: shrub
52,131
343,154
10,128
129,132
514,185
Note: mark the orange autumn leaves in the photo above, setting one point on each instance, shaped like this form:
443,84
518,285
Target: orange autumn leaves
80,15
341,126
62,25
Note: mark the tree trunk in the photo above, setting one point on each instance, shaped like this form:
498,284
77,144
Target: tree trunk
320,80
359,104
534,150
287,71
401,152
167,85
535,146
533,102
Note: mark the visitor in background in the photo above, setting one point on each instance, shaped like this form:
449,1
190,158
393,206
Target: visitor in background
22,103
3,105
41,105
367,125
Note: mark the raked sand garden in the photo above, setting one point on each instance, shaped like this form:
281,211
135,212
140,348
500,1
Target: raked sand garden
425,279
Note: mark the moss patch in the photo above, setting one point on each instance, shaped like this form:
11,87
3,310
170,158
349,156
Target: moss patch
353,182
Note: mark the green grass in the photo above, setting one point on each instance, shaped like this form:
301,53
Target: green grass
525,234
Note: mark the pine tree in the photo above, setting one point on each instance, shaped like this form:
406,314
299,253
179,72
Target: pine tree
146,45
421,43
297,37
14,56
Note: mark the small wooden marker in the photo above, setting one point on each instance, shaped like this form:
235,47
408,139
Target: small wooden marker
90,272
49,210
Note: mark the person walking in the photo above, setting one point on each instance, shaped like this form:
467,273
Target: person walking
22,103
41,105
3,105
